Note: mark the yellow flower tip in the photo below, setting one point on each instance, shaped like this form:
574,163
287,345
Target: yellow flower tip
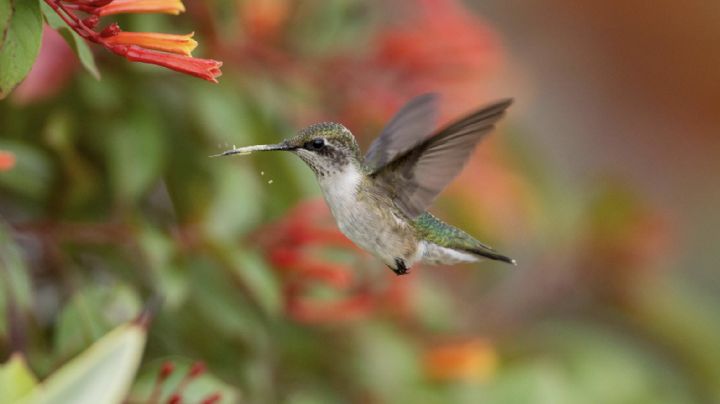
173,7
179,44
190,44
180,7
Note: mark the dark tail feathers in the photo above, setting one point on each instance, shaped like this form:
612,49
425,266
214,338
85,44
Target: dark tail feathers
491,255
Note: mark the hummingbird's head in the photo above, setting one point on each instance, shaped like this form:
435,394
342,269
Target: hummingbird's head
326,147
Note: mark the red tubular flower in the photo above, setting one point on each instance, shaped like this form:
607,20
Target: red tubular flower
206,69
174,7
180,44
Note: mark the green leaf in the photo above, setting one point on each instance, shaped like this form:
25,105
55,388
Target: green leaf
136,155
224,311
159,250
76,42
14,281
261,281
541,381
101,374
6,12
16,379
389,360
32,176
21,45
91,312
235,207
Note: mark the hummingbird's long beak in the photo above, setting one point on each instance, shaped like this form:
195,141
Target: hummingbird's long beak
250,149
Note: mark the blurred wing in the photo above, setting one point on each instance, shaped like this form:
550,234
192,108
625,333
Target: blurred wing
416,177
410,126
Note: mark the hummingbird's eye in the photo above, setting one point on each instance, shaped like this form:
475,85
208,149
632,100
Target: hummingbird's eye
316,144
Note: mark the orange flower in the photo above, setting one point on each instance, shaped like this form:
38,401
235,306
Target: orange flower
180,44
474,360
7,161
264,19
174,7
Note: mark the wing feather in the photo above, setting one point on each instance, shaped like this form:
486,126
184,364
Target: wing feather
409,127
415,177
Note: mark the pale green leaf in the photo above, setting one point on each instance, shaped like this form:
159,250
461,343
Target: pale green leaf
101,374
16,379
15,284
388,360
235,207
76,42
21,45
93,311
170,281
259,278
32,175
136,155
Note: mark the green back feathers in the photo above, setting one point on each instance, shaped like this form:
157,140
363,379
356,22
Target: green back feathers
436,231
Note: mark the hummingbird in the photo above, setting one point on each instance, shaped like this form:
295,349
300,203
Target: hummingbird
380,201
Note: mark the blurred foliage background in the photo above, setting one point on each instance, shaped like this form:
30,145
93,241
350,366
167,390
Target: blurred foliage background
601,182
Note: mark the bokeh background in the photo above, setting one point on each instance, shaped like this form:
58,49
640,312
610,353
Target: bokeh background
602,182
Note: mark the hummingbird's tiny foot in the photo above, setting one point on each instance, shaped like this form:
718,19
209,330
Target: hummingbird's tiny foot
400,267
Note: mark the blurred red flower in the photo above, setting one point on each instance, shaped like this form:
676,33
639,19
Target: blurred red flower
433,45
263,20
440,47
7,160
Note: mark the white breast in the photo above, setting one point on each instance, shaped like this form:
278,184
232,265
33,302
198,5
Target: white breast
370,227
355,219
340,191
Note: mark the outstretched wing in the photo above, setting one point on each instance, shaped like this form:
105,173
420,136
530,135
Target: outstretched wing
410,126
417,176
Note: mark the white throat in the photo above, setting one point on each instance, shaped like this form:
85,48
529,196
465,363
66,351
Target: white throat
340,188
